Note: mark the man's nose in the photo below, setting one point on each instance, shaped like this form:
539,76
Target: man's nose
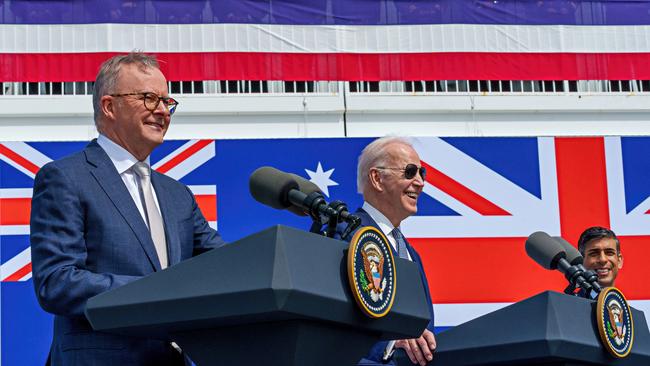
418,180
162,108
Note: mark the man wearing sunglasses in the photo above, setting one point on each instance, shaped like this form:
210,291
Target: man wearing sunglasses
391,178
102,217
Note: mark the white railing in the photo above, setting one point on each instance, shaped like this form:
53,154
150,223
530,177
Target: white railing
257,87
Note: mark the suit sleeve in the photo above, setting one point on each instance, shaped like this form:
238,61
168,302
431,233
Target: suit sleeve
427,293
62,282
205,237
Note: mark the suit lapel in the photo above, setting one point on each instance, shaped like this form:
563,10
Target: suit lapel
367,220
169,219
110,181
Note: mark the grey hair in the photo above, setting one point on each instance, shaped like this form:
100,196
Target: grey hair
375,155
109,72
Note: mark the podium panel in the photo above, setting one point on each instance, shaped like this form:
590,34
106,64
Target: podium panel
281,295
549,328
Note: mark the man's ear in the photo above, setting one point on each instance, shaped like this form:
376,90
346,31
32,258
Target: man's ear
107,106
620,260
375,180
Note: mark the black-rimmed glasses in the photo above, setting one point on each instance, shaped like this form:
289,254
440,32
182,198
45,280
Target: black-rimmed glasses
409,171
151,101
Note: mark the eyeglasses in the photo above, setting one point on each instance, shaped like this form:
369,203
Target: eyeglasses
409,171
151,101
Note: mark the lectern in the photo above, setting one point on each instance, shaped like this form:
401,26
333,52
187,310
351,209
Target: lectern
550,329
278,297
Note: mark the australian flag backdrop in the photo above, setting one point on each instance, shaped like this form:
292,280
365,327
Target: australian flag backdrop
483,197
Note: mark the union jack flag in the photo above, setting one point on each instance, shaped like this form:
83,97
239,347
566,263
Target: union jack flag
485,196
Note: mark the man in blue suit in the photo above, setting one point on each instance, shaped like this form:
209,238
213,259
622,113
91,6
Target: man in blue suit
102,218
390,178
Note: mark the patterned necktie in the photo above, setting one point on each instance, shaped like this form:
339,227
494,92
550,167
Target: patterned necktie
152,214
401,243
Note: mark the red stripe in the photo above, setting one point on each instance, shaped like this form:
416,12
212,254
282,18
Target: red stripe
20,273
582,185
183,155
18,159
474,270
463,194
15,211
208,206
344,66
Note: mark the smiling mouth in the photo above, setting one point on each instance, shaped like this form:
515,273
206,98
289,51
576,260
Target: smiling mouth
155,124
412,195
602,272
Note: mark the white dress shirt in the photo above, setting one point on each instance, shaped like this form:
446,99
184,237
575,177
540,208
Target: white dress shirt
384,224
123,162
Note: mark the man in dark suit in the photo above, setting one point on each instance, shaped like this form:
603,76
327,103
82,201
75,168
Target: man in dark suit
390,178
102,218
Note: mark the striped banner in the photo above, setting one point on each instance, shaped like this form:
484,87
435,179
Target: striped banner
333,40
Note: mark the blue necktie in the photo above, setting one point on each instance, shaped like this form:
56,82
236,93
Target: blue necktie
402,252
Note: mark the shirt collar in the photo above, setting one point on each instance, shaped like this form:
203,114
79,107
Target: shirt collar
382,221
121,158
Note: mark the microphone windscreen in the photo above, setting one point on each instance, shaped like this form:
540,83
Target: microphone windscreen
306,187
573,256
271,187
544,250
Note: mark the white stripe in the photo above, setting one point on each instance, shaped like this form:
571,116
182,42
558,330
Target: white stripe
14,229
208,190
528,213
17,166
29,153
173,154
448,200
213,224
450,315
16,193
14,264
83,38
623,223
192,162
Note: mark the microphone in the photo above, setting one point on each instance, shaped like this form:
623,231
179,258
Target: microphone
271,187
575,258
551,254
281,190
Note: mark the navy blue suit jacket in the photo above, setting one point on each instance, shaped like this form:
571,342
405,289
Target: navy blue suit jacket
376,353
88,237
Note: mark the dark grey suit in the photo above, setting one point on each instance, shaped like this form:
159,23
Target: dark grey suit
87,237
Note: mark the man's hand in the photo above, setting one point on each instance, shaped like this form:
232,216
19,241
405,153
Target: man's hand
420,350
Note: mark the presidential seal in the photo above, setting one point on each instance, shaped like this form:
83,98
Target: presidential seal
371,272
614,320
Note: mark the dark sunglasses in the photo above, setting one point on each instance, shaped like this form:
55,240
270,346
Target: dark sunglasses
151,101
409,171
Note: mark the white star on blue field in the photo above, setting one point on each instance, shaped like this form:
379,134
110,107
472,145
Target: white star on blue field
322,178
